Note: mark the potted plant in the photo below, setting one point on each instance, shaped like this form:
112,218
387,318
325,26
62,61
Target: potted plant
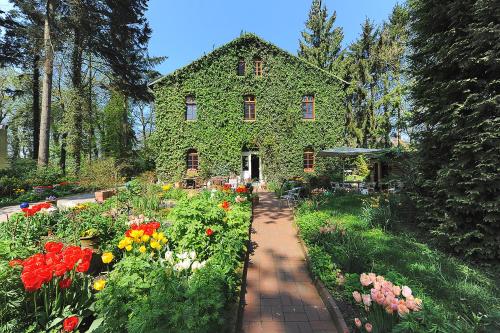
90,239
52,199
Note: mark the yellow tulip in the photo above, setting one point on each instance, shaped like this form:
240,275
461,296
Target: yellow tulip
99,284
122,244
164,240
155,245
128,241
155,235
145,238
166,187
136,233
128,247
142,249
107,257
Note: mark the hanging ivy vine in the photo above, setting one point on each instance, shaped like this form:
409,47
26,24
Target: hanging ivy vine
220,134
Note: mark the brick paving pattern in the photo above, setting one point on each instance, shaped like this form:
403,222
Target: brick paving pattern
280,295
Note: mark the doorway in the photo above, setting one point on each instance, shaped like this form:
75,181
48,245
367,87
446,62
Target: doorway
255,167
251,169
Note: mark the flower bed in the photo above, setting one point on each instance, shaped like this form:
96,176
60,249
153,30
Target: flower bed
152,268
387,282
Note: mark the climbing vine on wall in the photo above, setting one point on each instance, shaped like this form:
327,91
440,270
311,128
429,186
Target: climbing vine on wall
220,133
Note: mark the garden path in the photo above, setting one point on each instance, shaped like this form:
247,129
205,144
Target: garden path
62,203
280,295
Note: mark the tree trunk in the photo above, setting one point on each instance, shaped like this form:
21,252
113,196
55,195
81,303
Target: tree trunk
43,148
76,80
62,155
36,104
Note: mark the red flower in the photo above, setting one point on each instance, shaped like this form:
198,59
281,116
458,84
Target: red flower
225,205
31,281
15,262
60,269
70,323
54,247
226,187
241,189
148,228
209,232
65,283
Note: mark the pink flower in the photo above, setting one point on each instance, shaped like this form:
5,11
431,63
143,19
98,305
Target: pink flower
357,296
367,300
406,291
357,322
377,285
402,309
368,327
380,279
410,304
365,280
396,290
372,276
379,298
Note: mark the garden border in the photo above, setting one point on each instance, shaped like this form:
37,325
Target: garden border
331,305
237,318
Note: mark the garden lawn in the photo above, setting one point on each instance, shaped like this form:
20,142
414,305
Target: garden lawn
345,239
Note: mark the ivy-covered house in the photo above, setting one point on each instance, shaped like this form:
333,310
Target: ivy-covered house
247,109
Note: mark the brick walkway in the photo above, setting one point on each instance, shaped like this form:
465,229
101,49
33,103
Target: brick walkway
280,295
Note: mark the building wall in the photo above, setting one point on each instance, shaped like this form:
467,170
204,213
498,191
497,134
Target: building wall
4,162
220,132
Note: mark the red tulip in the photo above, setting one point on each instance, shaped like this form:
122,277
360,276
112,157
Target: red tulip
54,247
65,283
70,323
209,232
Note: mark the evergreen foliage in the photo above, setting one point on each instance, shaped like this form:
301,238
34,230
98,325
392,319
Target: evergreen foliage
117,136
321,43
374,66
457,71
220,133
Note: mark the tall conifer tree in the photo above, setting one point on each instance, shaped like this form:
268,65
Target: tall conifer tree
321,42
456,66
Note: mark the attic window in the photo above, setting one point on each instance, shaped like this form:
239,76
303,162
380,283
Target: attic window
308,107
190,108
258,67
241,67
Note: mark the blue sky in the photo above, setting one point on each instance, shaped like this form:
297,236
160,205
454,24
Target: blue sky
183,30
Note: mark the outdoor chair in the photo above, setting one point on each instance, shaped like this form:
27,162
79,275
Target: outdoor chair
291,196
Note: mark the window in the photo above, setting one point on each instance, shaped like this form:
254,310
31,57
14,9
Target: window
308,107
258,67
192,160
241,67
249,108
190,108
308,160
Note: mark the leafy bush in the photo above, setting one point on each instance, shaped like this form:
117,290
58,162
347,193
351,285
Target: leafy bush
101,174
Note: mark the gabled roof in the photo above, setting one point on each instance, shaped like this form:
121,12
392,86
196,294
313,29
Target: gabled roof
244,38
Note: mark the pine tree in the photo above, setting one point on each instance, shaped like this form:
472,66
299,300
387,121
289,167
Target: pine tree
456,94
363,90
321,42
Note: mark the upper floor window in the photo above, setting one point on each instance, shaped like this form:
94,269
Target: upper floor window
249,108
258,67
308,107
190,108
192,160
308,160
241,67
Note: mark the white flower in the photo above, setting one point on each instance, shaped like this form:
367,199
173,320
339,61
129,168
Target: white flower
169,256
192,255
197,265
183,255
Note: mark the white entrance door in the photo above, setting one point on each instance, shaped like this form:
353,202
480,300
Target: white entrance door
251,166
